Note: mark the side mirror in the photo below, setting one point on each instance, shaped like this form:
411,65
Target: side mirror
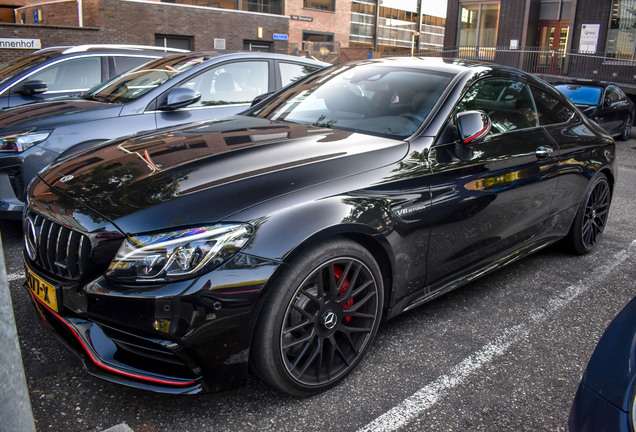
472,125
260,98
30,88
180,97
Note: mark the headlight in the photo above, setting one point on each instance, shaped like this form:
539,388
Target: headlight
21,141
177,255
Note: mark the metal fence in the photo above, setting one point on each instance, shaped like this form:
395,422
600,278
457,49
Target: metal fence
549,64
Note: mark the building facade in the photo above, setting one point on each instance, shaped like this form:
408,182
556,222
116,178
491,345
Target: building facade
592,39
319,28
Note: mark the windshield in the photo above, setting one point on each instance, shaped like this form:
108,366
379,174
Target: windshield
138,82
365,97
14,67
581,95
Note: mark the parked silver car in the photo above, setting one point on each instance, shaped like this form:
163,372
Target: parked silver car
169,91
69,70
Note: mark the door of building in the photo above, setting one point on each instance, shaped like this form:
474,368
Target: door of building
552,42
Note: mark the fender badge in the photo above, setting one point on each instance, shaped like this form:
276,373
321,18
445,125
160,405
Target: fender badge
67,178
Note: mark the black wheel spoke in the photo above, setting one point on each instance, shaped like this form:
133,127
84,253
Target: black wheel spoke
312,356
319,300
300,356
297,327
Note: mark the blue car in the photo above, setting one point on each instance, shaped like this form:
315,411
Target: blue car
605,398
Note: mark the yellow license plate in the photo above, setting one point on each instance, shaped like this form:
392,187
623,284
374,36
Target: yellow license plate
43,290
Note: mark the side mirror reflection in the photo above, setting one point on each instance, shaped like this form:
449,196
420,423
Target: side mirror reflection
472,126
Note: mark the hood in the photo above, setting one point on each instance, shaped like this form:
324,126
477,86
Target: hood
55,113
204,173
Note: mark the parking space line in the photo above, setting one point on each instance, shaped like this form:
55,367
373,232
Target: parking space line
428,395
15,276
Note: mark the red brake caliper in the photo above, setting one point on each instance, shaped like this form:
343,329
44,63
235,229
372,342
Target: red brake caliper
337,271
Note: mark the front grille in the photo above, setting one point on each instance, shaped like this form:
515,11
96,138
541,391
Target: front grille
55,248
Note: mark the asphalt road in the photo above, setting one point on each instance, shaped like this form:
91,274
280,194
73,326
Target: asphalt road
504,353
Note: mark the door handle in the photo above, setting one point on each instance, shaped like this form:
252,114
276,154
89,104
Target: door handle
544,152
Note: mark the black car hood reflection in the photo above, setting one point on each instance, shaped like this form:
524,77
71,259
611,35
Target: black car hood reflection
146,182
55,113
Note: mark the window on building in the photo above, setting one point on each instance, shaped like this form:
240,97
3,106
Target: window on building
621,37
172,41
478,24
325,5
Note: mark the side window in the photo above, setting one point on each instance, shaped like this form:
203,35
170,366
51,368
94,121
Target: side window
124,64
550,109
232,83
72,74
508,103
612,94
291,72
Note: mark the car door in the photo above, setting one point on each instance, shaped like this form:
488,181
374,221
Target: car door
493,196
225,89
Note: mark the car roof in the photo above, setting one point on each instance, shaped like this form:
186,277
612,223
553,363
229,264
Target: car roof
252,54
114,48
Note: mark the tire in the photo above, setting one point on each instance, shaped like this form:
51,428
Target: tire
627,129
319,319
591,217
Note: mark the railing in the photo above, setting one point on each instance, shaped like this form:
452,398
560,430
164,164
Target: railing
549,64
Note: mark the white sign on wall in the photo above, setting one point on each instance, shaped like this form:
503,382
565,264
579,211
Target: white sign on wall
589,37
9,43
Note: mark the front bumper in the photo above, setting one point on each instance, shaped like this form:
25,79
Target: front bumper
181,338
111,354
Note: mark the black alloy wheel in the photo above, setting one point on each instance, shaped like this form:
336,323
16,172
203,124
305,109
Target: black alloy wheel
627,129
320,319
591,217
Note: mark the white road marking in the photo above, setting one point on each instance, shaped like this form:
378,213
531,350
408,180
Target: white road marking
428,395
15,276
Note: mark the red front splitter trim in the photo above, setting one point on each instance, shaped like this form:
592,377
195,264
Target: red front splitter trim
104,366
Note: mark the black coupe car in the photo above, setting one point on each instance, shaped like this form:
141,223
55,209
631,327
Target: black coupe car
603,102
279,239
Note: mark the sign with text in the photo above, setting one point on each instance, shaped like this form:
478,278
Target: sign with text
9,43
301,18
589,37
279,36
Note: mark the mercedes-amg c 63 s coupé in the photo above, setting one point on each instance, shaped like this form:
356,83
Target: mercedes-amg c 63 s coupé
276,241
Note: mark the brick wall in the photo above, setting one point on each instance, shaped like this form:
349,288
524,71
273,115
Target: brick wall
59,13
136,22
50,36
336,22
591,12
